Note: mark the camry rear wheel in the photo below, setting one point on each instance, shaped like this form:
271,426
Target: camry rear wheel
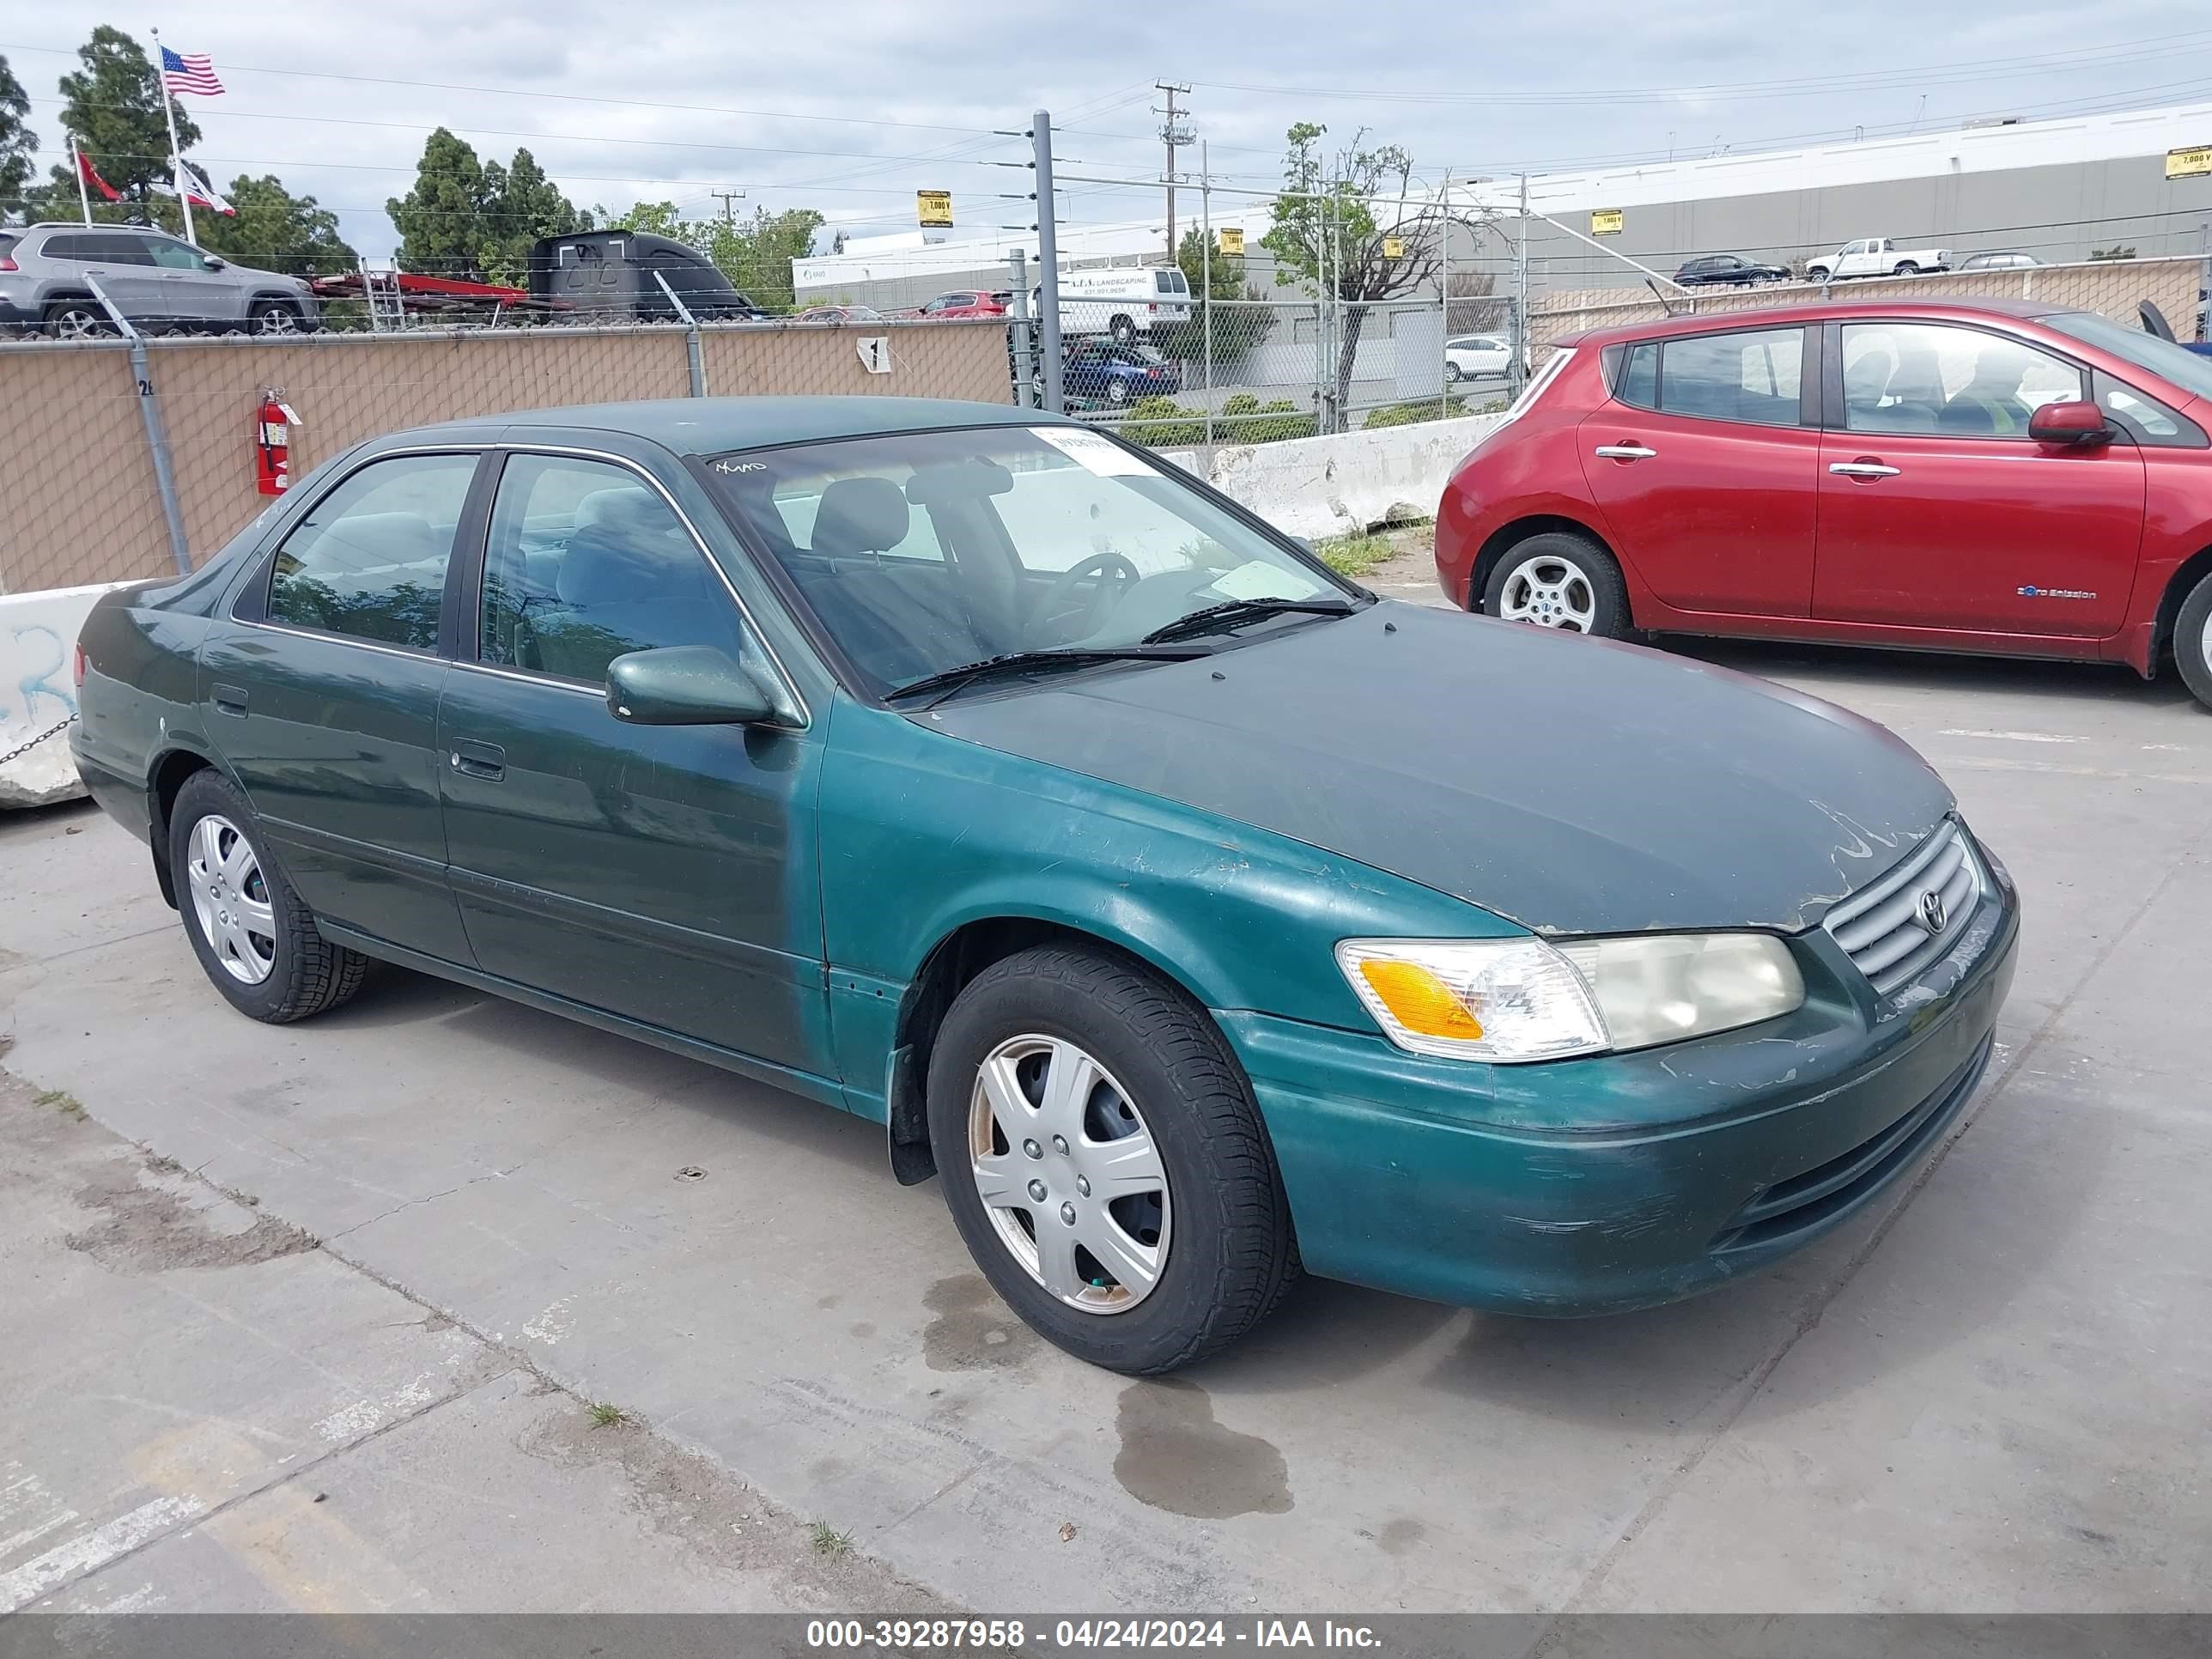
255,939
1104,1162
1562,580
2193,642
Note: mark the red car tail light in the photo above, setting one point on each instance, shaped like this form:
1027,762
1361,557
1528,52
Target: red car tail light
6,264
77,667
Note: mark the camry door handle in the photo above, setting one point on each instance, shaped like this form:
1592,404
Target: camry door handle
479,759
1862,470
1625,452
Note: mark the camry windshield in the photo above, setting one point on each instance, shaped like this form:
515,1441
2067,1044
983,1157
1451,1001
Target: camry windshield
925,553
2186,369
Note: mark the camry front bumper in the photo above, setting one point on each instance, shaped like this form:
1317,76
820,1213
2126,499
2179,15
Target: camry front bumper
1599,1185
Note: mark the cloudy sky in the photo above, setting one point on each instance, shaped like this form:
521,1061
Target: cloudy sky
850,107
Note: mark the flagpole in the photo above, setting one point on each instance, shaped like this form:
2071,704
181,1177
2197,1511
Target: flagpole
176,156
76,164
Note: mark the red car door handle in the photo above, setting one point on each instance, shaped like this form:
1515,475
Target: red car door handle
1864,469
1627,452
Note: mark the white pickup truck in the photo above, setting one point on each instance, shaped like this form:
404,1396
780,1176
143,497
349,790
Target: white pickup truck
1876,255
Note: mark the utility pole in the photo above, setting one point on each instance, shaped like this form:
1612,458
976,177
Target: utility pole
1174,135
727,198
1047,233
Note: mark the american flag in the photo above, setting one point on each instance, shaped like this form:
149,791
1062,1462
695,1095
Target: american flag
190,71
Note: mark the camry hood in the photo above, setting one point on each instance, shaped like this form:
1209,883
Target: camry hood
1574,786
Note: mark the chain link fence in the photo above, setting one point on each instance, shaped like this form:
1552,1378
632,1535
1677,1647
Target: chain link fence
2117,289
82,502
1260,371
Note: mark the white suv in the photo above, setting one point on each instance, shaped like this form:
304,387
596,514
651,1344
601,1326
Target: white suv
157,281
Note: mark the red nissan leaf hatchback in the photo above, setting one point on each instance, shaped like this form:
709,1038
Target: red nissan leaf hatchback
2004,479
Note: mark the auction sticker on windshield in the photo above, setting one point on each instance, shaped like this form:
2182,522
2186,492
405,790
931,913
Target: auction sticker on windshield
1094,453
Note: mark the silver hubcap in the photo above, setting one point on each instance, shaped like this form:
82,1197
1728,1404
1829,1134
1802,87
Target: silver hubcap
1068,1174
1550,593
76,326
279,321
231,900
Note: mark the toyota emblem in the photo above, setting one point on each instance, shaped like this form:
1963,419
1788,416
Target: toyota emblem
1933,915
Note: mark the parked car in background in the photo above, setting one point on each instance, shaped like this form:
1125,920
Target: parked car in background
617,275
1103,372
970,771
1713,268
967,303
840,314
2005,259
1478,357
1123,302
2001,476
1876,255
159,281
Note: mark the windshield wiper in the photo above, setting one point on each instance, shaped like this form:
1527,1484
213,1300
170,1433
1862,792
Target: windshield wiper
1230,612
945,682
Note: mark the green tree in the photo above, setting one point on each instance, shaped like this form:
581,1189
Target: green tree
522,205
443,221
276,230
113,105
1236,329
17,142
1334,219
755,253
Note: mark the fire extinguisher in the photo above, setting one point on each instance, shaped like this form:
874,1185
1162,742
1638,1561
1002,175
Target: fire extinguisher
272,442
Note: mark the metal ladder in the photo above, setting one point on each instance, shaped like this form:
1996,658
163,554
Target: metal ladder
381,290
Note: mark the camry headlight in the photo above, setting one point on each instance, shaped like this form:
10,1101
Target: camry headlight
1516,1000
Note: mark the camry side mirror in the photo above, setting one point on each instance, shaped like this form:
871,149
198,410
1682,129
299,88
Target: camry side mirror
2075,424
686,685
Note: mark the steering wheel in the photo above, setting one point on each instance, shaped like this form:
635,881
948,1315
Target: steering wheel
1112,576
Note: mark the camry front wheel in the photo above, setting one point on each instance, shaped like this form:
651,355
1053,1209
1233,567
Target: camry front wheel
1104,1162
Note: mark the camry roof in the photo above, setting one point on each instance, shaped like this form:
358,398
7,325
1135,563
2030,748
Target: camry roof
708,426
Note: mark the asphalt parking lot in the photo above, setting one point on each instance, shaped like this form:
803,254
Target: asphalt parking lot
316,1315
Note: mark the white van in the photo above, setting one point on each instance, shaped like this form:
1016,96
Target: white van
1125,301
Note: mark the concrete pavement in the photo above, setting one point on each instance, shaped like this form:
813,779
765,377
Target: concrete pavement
1990,1395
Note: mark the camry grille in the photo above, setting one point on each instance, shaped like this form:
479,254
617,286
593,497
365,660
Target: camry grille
1913,915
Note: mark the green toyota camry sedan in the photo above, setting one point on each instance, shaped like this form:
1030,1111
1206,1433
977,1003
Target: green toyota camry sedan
1196,917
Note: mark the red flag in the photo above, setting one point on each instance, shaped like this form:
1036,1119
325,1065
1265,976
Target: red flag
91,177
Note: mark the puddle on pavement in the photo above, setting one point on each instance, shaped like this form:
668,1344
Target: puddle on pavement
1175,1457
974,1331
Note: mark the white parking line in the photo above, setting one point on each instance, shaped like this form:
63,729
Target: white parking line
87,1552
2010,736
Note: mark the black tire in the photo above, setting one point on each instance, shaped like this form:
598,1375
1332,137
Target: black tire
1609,615
1231,1254
1117,393
1820,274
1906,268
2192,640
1124,331
309,974
280,318
76,319
1452,375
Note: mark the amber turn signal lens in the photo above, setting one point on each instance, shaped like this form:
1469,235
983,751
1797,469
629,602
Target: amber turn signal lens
1422,1002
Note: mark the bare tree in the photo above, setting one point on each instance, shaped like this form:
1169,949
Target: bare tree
1350,225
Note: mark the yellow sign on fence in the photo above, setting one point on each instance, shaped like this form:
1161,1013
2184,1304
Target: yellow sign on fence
2189,163
1232,239
1393,248
1605,221
933,208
